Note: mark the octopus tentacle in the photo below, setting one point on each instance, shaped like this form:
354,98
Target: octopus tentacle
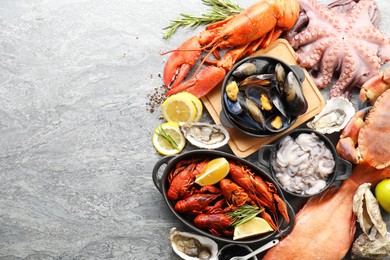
328,66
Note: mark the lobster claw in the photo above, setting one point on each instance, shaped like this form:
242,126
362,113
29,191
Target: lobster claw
181,61
202,83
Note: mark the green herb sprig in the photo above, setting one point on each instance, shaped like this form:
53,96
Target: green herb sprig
220,10
161,132
243,214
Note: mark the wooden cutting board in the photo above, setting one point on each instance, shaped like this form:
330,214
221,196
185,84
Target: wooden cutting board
244,145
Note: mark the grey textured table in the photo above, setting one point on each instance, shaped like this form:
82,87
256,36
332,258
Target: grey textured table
75,134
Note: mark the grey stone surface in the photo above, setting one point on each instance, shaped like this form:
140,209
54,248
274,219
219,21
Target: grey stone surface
75,134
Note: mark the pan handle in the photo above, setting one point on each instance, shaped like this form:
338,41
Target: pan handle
155,176
264,155
344,170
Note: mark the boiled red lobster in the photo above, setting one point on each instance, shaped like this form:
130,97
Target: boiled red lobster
241,35
210,203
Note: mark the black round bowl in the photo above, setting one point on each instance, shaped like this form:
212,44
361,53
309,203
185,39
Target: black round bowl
161,182
342,170
242,122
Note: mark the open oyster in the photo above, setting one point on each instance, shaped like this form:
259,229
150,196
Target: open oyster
374,242
192,247
204,135
368,213
334,116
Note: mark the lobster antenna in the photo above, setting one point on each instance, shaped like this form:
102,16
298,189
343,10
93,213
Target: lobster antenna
212,43
167,52
204,59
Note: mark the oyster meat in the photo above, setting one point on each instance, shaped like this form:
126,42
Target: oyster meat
334,116
192,247
204,135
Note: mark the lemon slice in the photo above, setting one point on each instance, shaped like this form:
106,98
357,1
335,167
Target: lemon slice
197,103
253,227
162,145
215,171
178,108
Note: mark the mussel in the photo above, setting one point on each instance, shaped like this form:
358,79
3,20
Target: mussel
233,107
257,80
296,102
277,123
280,74
259,112
291,91
251,67
268,99
252,109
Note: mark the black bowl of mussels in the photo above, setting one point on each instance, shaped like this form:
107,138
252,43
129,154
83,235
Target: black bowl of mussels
262,95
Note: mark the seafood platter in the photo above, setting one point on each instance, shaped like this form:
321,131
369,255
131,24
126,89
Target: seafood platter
243,143
317,161
262,95
211,221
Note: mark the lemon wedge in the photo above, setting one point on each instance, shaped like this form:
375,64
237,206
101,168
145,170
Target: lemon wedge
197,103
216,170
179,108
175,142
253,227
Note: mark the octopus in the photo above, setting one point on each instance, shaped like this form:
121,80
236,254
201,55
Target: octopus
303,165
339,40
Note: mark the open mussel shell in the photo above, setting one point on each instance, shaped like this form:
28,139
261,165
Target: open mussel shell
277,123
269,100
233,107
293,94
252,109
251,67
264,80
280,74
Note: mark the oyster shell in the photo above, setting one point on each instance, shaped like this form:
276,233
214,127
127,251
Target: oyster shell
368,213
364,248
192,247
334,116
204,135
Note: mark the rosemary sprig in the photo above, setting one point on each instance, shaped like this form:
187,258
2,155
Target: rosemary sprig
220,10
161,132
243,214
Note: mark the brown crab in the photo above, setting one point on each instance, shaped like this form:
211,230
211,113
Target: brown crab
367,135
